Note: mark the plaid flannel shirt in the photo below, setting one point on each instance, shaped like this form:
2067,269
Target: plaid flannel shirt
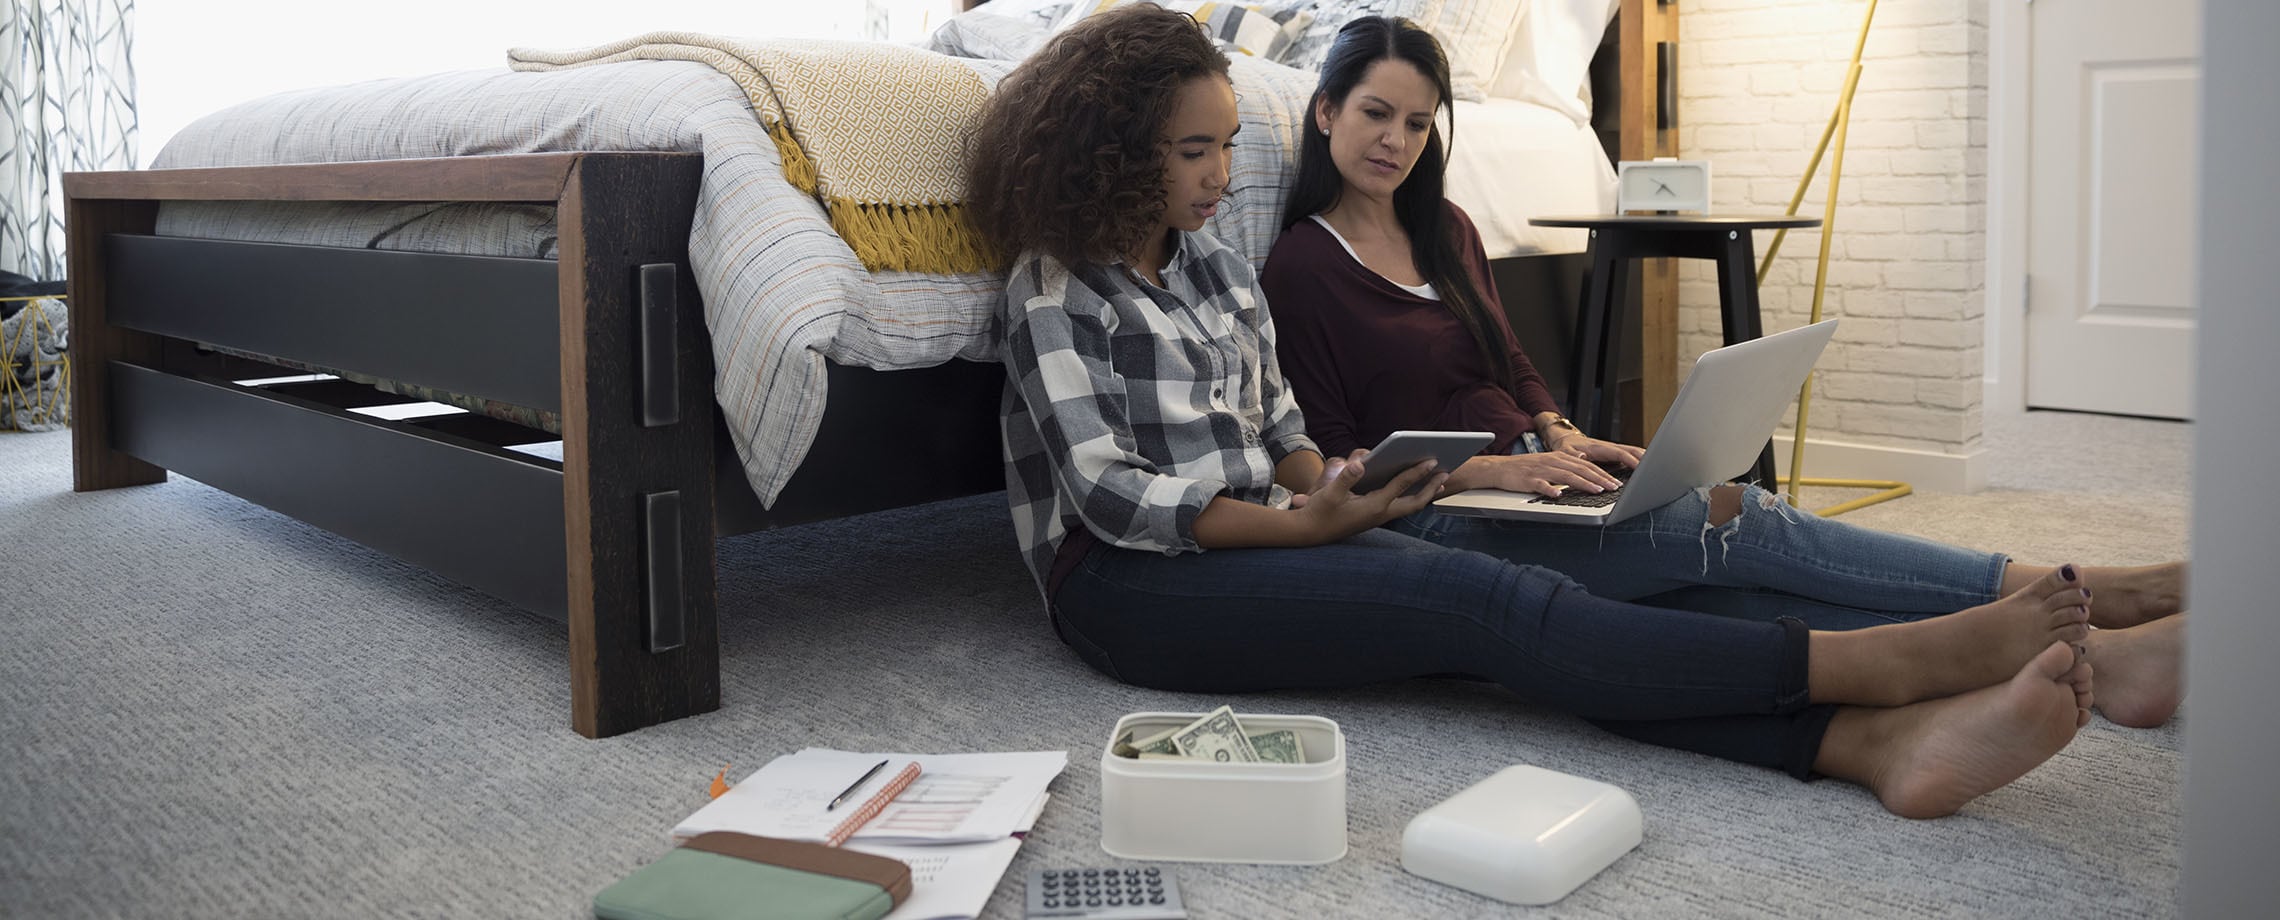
1128,407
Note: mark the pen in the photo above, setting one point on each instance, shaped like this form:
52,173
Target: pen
865,778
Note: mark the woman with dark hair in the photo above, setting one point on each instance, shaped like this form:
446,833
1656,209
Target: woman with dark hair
1186,534
1390,321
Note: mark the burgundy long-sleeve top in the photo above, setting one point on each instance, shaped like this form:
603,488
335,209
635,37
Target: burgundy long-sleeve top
1366,357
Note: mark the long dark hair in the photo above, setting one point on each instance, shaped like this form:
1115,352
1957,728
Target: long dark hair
1068,157
1418,202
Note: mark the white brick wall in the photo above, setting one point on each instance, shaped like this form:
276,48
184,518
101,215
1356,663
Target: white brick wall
1758,80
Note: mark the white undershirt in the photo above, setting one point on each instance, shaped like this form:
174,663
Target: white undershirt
1422,290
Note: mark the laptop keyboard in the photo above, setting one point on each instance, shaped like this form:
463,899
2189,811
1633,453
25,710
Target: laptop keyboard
1575,499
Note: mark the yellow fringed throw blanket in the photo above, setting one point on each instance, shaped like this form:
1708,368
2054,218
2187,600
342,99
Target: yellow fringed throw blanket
877,130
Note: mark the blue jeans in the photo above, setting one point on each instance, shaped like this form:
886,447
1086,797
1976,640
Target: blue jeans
1382,606
1769,561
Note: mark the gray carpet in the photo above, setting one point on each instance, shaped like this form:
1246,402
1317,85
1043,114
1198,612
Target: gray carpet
208,710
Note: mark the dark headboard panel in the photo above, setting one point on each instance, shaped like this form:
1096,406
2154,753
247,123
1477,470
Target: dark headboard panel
1607,90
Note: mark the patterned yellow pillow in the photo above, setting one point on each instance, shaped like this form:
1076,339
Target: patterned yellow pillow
1261,30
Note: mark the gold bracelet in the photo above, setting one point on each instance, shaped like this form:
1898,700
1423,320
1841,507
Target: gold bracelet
1558,421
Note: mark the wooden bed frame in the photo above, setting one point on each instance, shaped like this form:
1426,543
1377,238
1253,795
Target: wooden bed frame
617,538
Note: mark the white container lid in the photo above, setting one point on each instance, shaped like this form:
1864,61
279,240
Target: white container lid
1525,835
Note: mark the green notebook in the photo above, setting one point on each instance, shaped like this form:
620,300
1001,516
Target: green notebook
724,875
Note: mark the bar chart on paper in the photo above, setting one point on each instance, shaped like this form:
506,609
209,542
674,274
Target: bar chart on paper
935,804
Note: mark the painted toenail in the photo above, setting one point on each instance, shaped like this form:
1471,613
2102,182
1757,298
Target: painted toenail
2086,592
2066,571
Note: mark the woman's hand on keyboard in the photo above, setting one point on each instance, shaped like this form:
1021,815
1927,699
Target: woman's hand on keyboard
1545,473
1596,450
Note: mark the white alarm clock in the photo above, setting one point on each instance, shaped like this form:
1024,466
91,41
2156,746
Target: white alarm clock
1663,184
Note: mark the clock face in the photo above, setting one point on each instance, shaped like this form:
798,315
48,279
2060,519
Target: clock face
1681,185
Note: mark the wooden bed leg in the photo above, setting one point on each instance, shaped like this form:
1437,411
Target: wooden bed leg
95,343
637,483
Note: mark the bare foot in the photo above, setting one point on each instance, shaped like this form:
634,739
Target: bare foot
2136,594
2126,595
2141,671
1929,759
1942,656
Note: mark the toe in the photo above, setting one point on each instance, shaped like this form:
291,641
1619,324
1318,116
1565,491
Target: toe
2054,663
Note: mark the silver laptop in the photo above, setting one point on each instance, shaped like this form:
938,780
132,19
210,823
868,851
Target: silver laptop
1714,432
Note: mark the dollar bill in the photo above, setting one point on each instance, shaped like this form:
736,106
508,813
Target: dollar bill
1158,743
1217,736
1280,746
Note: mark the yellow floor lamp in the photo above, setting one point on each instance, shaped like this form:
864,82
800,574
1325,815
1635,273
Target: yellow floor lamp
1838,122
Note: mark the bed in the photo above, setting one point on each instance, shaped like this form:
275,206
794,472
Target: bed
629,331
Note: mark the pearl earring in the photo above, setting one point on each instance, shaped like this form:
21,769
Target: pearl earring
1326,131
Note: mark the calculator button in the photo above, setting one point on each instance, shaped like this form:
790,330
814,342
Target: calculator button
1103,893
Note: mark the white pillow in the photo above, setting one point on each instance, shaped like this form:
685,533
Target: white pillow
1040,13
1474,34
986,36
1262,30
1549,60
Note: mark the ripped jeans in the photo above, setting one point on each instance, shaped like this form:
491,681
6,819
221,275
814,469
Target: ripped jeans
1767,562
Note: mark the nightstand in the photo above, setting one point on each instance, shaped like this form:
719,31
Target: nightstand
1616,240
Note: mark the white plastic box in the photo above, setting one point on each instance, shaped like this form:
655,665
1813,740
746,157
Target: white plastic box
1202,811
1526,835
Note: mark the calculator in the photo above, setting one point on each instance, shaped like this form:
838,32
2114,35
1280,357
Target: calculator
1103,893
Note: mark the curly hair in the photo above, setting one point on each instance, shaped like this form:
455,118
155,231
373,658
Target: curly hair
1068,157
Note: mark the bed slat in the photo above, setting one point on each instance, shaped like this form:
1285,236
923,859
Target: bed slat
469,512
473,325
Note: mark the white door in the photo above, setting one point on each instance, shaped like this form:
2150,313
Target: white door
2113,149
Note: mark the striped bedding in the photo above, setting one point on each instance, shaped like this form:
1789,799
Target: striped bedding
783,293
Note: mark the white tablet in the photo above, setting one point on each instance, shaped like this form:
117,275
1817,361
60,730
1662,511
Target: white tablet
1404,449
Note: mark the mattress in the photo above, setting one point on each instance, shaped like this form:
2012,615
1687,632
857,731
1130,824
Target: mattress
1515,160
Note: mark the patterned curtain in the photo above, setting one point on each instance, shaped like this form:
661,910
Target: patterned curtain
67,103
